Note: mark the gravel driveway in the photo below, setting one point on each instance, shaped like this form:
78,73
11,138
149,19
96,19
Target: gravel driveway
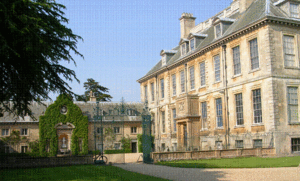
244,174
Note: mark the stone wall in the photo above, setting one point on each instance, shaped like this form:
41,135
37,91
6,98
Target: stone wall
195,155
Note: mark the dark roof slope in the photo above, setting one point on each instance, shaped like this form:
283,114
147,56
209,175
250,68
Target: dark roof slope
257,11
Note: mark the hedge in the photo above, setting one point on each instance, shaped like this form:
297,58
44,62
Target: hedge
117,151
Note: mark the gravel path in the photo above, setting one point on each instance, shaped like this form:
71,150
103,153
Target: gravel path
244,174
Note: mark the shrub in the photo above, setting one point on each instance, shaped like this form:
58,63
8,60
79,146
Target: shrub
117,151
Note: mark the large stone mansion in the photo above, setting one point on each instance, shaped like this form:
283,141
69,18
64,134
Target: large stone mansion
233,81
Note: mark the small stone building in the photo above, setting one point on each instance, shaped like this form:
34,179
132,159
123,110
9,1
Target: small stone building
65,133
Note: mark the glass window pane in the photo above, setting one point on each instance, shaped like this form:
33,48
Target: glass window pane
219,112
236,60
202,73
182,81
174,84
254,54
217,68
288,49
192,78
257,106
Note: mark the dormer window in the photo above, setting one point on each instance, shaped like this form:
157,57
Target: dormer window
166,55
294,10
192,44
183,49
218,31
221,25
164,60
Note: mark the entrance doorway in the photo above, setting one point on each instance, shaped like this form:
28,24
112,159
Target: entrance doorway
133,147
185,135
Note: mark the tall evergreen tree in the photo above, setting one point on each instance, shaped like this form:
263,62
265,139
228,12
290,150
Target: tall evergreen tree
33,40
98,91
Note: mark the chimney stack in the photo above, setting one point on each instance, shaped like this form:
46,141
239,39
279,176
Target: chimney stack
244,4
187,22
92,97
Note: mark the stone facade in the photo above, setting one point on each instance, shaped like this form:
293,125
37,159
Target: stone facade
121,126
235,86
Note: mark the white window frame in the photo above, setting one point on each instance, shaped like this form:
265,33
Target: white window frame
152,91
289,52
117,128
257,146
182,81
236,60
174,84
204,115
219,113
218,35
295,142
192,77
239,143
183,49
192,42
239,110
6,132
163,60
292,104
217,68
25,146
254,56
202,74
294,14
27,132
254,105
133,130
162,88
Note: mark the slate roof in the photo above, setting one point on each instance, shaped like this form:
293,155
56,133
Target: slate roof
258,10
87,109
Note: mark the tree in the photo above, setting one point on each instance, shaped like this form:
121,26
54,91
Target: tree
98,91
33,40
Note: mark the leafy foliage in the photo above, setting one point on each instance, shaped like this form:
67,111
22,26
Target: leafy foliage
33,40
125,143
117,151
13,138
47,130
140,142
98,91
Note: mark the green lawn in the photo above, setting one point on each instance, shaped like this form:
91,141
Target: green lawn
250,162
78,173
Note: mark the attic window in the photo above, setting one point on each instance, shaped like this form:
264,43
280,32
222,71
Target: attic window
294,10
218,30
183,49
192,44
163,60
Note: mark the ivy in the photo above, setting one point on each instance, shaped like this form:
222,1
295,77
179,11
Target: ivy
125,143
53,116
140,142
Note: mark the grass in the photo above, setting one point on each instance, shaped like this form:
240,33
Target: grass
249,162
74,173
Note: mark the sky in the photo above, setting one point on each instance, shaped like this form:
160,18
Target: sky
122,39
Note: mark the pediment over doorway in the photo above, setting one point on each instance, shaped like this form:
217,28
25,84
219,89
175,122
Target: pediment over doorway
64,126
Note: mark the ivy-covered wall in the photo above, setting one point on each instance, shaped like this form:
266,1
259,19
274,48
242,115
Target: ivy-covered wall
53,116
